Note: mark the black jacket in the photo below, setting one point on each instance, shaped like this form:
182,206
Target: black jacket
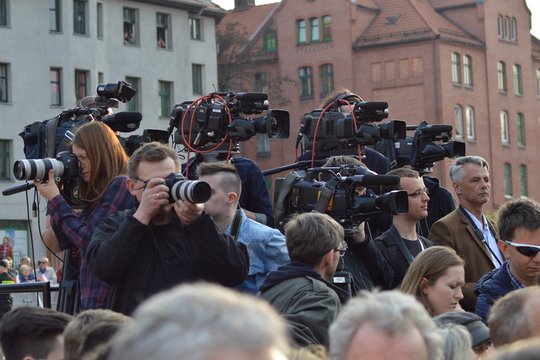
143,260
396,254
440,204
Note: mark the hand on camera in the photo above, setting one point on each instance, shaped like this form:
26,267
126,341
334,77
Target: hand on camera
188,212
154,198
359,233
48,189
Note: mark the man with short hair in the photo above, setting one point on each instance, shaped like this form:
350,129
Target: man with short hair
401,243
384,325
159,244
203,321
519,228
515,316
33,333
467,230
46,272
300,291
266,246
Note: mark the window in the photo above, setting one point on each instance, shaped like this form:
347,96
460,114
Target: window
520,122
467,71
458,121
81,83
197,78
507,179
195,26
163,31
306,81
131,30
263,145
505,136
135,103
100,77
501,72
80,17
326,72
500,23
55,79
538,82
513,30
4,83
523,184
456,69
55,16
261,82
99,20
314,30
4,13
301,31
5,161
506,28
469,119
165,98
518,81
326,28
270,41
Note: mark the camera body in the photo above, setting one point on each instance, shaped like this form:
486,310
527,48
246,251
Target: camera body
332,129
338,197
65,166
194,191
220,116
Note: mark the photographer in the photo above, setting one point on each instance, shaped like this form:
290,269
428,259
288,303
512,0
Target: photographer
160,243
102,191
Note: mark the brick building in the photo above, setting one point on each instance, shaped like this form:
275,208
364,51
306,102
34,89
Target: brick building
469,63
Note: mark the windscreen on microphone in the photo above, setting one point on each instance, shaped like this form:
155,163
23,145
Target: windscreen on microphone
251,96
123,121
375,180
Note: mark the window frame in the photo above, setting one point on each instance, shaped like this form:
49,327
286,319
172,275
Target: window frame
314,30
165,94
518,79
468,80
262,145
523,181
84,86
458,121
5,159
99,20
500,27
326,78
197,79
470,123
513,30
301,32
305,74
4,80
505,127
270,41
260,82
135,103
501,77
521,133
326,26
55,95
195,28
55,16
80,27
507,179
456,68
130,26
163,30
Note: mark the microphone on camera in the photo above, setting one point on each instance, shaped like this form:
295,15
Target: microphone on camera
125,121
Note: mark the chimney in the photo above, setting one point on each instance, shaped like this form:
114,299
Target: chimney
243,4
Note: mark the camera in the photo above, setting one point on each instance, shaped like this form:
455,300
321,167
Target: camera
194,191
219,116
338,196
64,166
121,91
332,129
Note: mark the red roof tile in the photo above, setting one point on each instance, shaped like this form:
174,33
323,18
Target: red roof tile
250,20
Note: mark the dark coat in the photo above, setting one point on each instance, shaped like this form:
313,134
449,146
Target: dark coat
457,232
493,285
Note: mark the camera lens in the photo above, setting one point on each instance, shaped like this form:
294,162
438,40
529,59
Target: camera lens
38,169
194,191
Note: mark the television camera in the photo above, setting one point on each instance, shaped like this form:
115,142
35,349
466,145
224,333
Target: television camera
338,197
218,117
334,129
429,144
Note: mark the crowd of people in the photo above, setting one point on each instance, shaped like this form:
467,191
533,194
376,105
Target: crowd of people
164,277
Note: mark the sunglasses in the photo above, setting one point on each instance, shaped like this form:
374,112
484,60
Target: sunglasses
524,249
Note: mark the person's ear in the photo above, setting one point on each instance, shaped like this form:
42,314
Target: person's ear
457,188
423,285
131,186
232,197
504,247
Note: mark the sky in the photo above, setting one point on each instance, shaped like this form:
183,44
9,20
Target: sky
534,6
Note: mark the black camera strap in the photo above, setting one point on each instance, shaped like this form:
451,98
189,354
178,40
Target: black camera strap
50,137
284,190
236,223
326,194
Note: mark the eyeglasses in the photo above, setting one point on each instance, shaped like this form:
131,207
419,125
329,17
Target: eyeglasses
419,192
342,250
145,182
525,249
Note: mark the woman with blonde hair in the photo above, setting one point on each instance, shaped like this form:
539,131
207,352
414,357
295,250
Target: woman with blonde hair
102,191
435,278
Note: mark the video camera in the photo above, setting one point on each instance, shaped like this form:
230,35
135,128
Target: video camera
338,196
430,143
218,117
331,129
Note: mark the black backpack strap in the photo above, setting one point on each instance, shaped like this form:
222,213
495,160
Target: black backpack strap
327,191
236,223
50,137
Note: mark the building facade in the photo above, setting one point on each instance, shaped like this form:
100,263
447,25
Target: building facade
55,52
467,63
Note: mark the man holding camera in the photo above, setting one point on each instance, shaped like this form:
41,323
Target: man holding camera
160,244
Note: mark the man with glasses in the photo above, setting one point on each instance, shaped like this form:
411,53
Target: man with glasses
401,243
46,272
467,230
159,244
519,229
300,291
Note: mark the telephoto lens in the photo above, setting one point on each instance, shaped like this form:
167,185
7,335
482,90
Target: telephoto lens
37,169
194,191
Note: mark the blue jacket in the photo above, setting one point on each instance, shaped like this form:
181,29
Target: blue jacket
267,250
490,287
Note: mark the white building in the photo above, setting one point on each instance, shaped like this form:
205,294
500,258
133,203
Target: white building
52,52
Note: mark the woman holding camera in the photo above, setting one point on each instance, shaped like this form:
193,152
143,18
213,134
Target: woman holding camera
102,191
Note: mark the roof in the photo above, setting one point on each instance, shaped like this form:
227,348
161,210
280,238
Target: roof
250,20
204,7
410,20
446,4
